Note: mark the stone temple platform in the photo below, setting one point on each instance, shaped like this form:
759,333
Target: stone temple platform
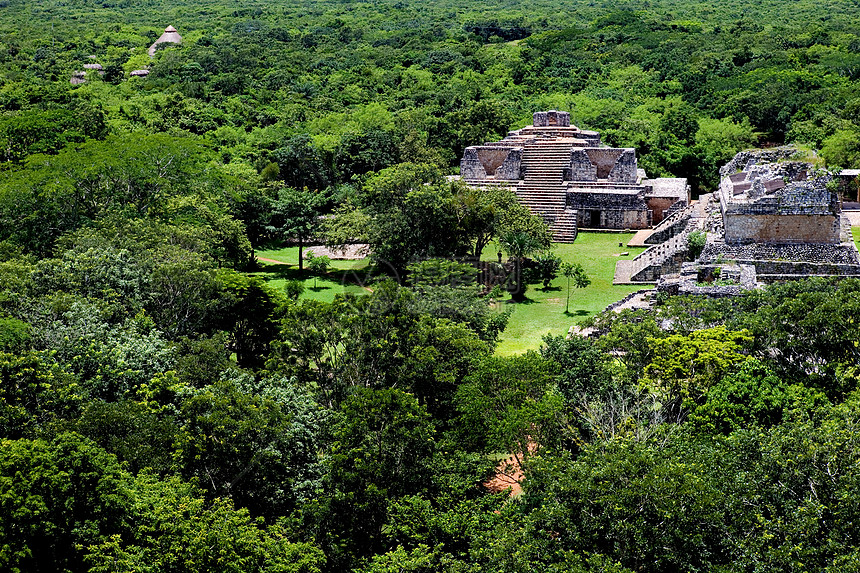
562,173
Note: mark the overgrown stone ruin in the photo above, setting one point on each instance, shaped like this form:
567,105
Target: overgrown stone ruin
773,218
563,174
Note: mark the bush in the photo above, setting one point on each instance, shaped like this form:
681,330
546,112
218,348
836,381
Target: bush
696,243
294,289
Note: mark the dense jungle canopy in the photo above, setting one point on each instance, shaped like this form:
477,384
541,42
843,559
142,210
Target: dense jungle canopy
163,407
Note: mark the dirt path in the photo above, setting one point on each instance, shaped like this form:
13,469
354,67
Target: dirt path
509,474
273,261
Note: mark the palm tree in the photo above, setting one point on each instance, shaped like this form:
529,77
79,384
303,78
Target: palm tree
580,279
518,245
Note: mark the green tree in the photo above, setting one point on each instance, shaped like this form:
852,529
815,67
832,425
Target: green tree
317,265
249,313
842,148
301,165
683,368
546,267
173,527
511,405
518,245
580,280
256,444
381,451
57,498
36,394
295,216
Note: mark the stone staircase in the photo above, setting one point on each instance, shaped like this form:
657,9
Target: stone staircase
542,190
658,260
673,224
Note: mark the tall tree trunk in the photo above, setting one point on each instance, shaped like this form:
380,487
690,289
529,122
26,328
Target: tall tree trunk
567,304
301,243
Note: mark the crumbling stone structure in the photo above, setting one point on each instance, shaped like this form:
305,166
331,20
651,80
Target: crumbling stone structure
773,216
562,173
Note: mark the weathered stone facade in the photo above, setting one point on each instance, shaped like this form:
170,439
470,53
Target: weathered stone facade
484,161
607,208
551,118
778,203
562,173
780,218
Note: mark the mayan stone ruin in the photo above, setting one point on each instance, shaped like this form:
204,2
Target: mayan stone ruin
562,173
773,218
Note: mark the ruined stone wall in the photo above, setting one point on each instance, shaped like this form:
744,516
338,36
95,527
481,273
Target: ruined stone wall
511,168
470,165
624,169
551,118
594,163
612,219
481,162
745,159
777,228
581,167
604,159
592,137
843,254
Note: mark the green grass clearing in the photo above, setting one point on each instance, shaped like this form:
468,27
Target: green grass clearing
541,314
343,276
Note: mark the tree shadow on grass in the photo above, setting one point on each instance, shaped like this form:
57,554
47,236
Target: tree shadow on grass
549,289
578,312
523,301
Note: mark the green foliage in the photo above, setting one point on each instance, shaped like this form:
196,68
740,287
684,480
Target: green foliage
249,313
518,245
14,334
317,265
710,435
580,279
174,527
132,432
35,394
753,396
255,443
684,367
546,267
57,498
381,449
696,243
52,195
510,405
842,149
441,272
294,289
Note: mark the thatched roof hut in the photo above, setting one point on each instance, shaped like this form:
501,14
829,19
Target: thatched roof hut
170,35
139,73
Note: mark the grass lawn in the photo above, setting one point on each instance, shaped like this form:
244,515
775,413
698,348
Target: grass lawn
855,232
543,311
344,276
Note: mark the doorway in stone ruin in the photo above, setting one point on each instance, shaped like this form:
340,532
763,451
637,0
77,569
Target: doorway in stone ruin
594,219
